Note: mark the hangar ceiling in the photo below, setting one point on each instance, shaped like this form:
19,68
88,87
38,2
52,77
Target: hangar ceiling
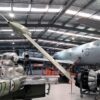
53,23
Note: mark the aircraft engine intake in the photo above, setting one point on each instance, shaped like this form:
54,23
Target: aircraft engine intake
88,79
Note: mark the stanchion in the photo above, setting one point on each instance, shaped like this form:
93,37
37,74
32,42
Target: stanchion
71,83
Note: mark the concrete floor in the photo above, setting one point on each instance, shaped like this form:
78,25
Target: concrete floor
63,92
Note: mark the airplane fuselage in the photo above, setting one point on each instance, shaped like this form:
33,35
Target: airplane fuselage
88,53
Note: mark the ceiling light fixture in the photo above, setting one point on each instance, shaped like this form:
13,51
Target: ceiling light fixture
11,15
54,42
72,34
6,30
82,14
22,9
33,9
39,40
73,38
54,10
50,10
5,8
56,32
37,30
13,42
12,34
10,30
40,9
97,17
71,12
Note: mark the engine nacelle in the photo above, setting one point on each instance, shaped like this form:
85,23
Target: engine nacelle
90,79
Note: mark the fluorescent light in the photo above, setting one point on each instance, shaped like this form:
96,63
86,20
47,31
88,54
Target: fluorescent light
72,34
12,34
13,42
71,12
91,29
83,14
36,30
5,8
22,9
73,38
26,9
50,10
82,33
80,27
46,9
40,40
6,30
19,9
39,9
51,31
53,48
97,17
10,30
56,32
59,43
54,10
11,15
67,40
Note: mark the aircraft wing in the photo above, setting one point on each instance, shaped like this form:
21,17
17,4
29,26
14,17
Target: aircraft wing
34,59
90,22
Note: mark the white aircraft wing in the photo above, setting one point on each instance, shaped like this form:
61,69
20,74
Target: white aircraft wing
46,60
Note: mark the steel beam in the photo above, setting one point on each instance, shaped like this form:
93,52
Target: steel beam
89,3
56,26
68,3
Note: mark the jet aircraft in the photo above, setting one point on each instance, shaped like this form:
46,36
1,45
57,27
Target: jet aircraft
87,54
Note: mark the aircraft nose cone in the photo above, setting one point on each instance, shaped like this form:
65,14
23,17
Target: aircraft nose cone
57,56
